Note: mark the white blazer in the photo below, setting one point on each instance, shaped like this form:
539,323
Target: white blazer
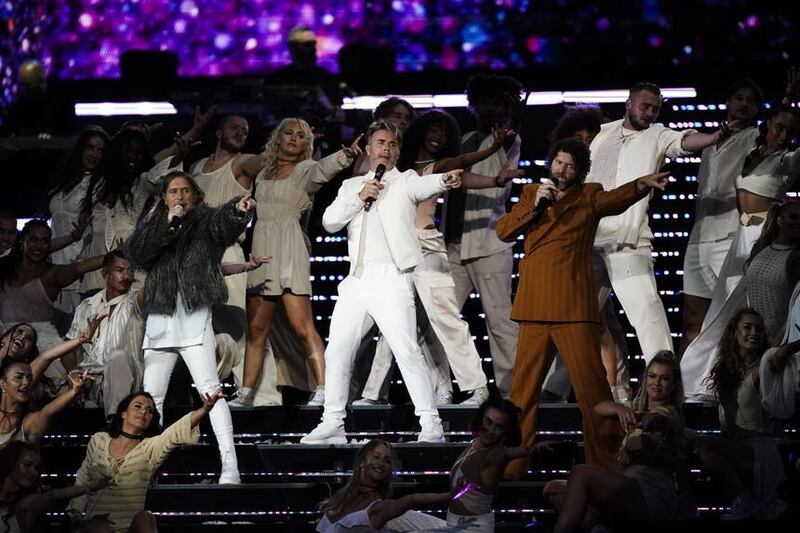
396,207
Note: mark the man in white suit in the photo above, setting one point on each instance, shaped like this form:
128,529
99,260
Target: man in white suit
383,250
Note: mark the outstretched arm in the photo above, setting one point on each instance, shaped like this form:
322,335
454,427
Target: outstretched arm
183,142
499,137
470,180
59,276
37,423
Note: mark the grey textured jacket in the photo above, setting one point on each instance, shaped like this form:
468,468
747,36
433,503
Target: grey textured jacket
187,259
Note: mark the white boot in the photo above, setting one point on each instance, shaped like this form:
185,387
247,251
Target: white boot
230,467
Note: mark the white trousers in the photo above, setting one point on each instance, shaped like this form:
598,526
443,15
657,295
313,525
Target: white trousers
491,277
202,365
385,297
443,336
629,272
729,295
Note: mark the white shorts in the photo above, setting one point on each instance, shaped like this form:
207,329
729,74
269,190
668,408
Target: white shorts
701,266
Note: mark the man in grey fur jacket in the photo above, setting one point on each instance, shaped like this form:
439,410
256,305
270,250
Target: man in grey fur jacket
179,244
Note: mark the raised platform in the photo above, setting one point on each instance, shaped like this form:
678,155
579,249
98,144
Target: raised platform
283,481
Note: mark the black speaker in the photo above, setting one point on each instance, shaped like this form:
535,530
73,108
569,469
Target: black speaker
149,72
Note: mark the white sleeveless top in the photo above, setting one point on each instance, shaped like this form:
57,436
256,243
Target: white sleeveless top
356,522
219,186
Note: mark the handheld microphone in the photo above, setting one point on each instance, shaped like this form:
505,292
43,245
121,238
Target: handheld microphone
543,205
379,170
175,224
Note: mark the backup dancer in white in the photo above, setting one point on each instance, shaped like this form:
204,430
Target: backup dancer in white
624,150
384,250
716,215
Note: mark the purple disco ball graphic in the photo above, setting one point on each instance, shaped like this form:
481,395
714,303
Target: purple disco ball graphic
86,38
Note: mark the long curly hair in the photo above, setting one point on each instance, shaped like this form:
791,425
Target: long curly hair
118,178
10,456
10,263
336,503
728,371
272,148
414,138
667,358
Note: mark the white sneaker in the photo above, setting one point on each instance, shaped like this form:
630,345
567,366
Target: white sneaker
444,397
326,433
366,401
744,506
318,398
477,397
244,398
431,432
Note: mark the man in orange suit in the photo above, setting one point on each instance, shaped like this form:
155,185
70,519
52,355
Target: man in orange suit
556,301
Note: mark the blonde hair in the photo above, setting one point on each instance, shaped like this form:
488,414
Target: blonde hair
271,168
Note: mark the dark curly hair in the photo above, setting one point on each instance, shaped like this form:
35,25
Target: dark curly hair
481,87
115,424
575,119
415,137
579,152
384,109
513,435
727,373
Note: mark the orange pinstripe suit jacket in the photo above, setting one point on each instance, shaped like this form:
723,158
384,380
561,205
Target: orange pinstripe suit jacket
556,283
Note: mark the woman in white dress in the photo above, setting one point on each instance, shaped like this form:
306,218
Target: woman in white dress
70,197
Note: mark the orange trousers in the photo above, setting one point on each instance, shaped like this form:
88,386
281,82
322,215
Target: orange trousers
578,343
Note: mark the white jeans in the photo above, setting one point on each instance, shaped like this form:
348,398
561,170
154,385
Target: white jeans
202,365
630,273
443,336
383,296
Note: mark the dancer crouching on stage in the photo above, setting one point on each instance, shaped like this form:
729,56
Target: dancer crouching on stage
179,244
384,251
